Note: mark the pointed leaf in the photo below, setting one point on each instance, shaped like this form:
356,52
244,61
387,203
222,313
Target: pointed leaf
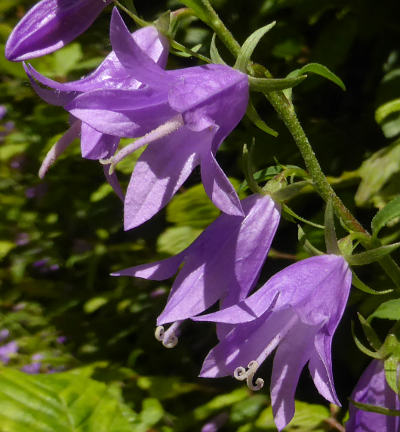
271,84
370,333
365,288
249,45
200,8
384,216
372,255
330,233
255,118
214,53
320,70
392,369
374,408
386,109
387,310
62,402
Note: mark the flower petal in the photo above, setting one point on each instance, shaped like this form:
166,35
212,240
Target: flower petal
95,145
290,359
113,182
218,187
160,172
123,113
139,64
246,342
50,25
111,74
158,270
320,367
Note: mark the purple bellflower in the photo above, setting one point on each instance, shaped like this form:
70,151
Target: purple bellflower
373,389
182,115
50,25
298,309
111,74
222,264
7,351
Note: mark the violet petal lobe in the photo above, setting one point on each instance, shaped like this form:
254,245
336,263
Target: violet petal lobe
111,74
160,172
158,270
95,145
217,185
373,389
139,64
123,113
286,371
50,25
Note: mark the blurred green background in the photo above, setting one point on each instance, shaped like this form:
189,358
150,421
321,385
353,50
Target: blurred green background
61,237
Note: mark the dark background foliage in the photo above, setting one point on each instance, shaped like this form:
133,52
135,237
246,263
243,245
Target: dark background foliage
61,237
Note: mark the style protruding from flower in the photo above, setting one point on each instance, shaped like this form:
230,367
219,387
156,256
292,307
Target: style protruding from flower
50,25
222,264
373,389
182,115
297,312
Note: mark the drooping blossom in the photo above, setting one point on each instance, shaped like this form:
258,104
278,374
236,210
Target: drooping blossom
50,25
372,389
297,312
183,115
35,366
7,351
222,264
111,74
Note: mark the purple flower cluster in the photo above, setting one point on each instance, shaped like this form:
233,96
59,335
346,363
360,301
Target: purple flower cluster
182,116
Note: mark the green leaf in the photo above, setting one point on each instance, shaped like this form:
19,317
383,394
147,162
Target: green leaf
320,70
375,408
392,366
214,53
175,239
248,409
307,418
387,109
192,208
370,333
255,118
387,214
201,9
330,232
152,412
387,310
376,171
249,46
365,288
62,402
372,255
272,84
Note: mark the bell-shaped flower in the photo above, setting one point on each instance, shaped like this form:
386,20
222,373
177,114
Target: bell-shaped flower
182,115
50,25
222,264
297,312
111,74
373,389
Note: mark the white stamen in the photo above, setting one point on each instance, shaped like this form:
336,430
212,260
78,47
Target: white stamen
162,131
241,374
167,338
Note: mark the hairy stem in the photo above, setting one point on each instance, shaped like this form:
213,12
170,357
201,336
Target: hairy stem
286,112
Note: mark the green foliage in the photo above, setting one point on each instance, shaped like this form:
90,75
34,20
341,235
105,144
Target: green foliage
68,401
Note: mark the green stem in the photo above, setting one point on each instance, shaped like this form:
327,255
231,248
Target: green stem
286,112
219,27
